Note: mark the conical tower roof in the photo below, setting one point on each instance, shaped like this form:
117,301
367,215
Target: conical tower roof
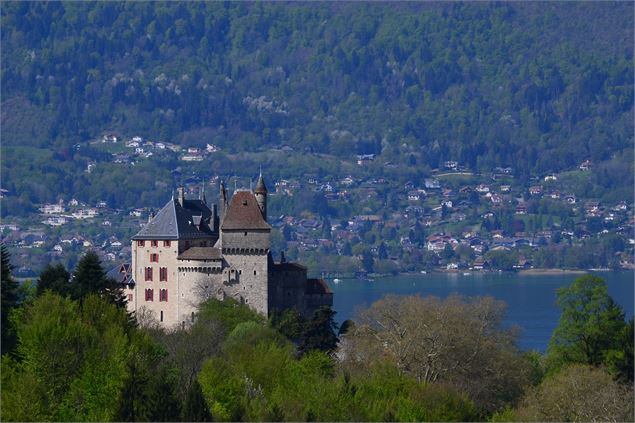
260,186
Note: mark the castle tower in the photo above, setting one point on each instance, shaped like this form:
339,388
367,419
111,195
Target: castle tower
261,196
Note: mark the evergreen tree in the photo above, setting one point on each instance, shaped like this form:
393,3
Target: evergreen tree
56,278
195,408
320,332
90,278
9,290
382,253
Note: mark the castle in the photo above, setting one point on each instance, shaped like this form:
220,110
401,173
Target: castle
188,253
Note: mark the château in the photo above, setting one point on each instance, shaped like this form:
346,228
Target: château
190,252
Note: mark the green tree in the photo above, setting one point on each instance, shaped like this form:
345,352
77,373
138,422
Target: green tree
590,327
448,251
195,408
89,277
290,323
9,292
367,260
55,278
72,361
320,332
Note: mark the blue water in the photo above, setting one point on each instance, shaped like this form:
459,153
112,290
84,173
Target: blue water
530,298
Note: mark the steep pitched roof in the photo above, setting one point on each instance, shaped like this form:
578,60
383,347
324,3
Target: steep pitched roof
179,222
244,213
317,286
261,188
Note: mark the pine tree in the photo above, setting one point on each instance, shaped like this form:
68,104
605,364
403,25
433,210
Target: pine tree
195,408
90,278
320,332
9,288
56,278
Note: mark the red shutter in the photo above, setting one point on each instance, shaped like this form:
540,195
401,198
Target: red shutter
166,295
148,274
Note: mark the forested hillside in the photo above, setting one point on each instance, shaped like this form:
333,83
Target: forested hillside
540,87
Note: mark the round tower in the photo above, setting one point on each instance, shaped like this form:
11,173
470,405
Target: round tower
261,196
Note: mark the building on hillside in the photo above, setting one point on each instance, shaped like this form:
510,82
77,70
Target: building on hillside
189,252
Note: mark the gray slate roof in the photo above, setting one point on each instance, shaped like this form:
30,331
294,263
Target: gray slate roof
178,222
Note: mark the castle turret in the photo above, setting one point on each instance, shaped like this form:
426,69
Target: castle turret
261,196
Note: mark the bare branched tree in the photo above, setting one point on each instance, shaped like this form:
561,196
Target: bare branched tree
457,341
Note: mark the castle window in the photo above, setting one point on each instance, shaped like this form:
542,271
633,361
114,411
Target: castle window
149,294
154,258
163,274
161,315
245,233
140,243
163,295
154,243
166,243
254,273
192,316
148,274
240,272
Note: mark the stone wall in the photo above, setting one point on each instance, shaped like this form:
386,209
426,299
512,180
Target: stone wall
245,239
250,279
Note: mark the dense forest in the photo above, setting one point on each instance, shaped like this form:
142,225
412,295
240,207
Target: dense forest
540,87
72,353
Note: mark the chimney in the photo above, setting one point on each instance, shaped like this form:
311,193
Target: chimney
181,198
223,200
214,217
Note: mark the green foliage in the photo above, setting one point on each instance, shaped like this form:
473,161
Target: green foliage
502,259
317,333
148,393
9,292
73,360
55,278
591,325
385,394
320,332
228,312
89,277
420,84
289,322
195,409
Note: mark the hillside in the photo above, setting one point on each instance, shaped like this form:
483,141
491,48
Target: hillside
539,87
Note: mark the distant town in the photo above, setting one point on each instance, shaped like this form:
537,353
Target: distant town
453,220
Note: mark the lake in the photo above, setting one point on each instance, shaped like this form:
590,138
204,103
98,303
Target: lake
530,298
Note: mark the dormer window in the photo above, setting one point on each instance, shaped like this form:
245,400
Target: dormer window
244,202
